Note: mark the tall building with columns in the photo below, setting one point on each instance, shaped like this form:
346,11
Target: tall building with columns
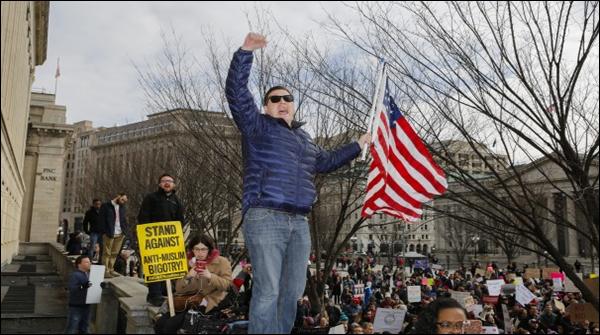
47,138
24,44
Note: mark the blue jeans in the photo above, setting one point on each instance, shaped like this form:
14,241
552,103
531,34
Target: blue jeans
279,246
95,238
78,320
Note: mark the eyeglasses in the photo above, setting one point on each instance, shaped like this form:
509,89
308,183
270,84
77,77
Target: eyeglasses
200,249
170,181
453,325
276,98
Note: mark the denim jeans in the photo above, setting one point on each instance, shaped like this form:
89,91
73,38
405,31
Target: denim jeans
78,320
279,246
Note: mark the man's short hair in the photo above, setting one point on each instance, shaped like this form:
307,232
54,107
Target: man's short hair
266,98
96,199
165,175
79,259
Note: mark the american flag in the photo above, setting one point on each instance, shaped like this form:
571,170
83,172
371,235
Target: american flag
402,175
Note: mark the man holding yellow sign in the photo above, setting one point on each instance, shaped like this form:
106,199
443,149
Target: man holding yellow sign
164,241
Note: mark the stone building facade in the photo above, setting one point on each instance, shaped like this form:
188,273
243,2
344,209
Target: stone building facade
24,44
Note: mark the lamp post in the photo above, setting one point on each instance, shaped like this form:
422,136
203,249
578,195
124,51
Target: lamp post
475,239
546,257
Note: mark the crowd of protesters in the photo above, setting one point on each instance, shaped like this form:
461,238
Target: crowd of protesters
355,291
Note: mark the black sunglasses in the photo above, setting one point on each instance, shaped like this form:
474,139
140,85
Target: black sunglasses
276,98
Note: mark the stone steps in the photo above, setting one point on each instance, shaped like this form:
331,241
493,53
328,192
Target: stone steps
34,297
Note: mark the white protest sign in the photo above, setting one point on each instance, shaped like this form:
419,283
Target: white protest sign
414,294
490,330
388,320
494,287
337,330
523,295
94,292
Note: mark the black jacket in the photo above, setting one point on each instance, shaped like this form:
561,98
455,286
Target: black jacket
92,222
158,207
108,216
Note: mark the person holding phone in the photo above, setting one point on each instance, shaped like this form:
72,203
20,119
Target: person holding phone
209,276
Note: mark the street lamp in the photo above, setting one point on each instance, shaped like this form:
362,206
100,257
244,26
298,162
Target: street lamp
475,239
546,257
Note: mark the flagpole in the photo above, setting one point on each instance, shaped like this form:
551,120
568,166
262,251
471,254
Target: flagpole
56,75
380,68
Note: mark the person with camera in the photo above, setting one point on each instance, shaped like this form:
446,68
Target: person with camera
79,282
204,287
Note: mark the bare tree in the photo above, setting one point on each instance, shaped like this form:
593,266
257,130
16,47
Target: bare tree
519,77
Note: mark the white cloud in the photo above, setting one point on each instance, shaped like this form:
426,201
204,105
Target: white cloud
97,43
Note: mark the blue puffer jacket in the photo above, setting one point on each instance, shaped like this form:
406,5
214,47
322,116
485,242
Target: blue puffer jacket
280,162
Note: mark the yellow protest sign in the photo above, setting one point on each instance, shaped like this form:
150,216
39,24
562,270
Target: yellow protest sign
162,250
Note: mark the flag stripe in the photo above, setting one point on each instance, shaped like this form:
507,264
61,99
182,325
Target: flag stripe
402,175
421,150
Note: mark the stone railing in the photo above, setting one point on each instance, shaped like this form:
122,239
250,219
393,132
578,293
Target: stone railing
123,306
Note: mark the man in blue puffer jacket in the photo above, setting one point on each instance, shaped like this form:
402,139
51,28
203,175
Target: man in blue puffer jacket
280,164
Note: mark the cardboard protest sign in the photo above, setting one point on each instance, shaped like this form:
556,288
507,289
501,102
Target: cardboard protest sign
94,292
523,295
494,287
414,293
388,320
547,272
473,327
582,312
480,272
532,273
162,251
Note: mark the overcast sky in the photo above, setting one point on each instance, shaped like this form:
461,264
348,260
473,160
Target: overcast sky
98,42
